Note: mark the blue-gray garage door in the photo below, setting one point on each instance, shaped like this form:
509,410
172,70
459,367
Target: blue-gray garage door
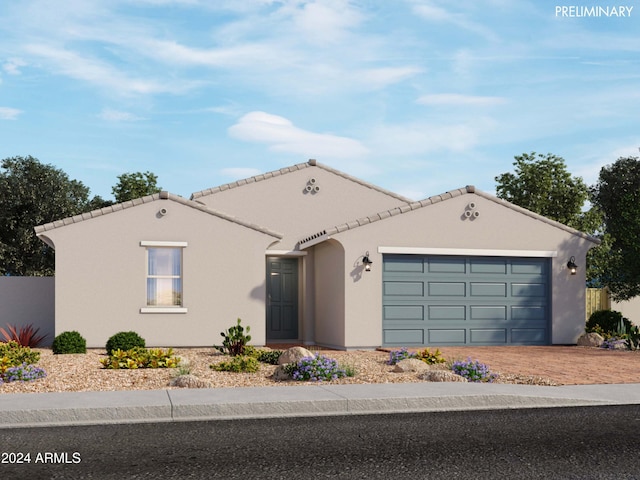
454,300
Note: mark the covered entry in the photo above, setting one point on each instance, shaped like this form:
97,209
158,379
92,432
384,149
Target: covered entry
460,300
282,298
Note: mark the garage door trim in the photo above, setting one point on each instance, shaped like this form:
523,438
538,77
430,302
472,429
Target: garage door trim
469,252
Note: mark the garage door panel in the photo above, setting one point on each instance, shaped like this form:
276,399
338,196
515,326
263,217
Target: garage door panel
404,337
488,312
528,290
446,312
446,265
465,300
488,266
447,289
533,336
404,263
408,289
524,267
488,335
447,336
488,289
404,312
528,312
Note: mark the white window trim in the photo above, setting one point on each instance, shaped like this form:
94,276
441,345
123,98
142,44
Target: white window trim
164,310
150,243
469,252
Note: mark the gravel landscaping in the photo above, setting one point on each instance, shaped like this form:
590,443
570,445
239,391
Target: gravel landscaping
83,372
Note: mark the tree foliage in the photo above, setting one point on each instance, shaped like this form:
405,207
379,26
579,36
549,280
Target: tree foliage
542,184
32,193
135,185
617,195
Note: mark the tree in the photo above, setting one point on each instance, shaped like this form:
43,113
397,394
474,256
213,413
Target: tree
617,194
135,185
31,194
542,184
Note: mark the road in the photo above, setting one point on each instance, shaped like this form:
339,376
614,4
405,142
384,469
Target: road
562,443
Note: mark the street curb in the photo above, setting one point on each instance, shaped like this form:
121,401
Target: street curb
89,408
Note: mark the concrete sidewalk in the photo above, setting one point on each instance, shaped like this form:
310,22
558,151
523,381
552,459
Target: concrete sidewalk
82,408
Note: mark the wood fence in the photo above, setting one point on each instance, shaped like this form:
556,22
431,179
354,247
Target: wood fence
597,299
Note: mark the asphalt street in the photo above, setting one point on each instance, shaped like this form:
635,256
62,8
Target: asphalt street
596,442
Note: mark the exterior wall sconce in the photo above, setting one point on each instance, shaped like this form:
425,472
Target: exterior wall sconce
366,262
571,265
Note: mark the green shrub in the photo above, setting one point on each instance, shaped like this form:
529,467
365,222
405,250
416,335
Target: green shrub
124,341
12,354
139,357
609,322
238,363
269,356
69,342
235,340
429,357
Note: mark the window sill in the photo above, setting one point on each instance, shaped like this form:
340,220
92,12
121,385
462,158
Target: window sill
163,310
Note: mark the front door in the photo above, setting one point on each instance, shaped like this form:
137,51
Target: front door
282,298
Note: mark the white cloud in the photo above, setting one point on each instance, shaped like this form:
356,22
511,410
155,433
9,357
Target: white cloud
99,73
326,22
431,12
238,173
12,66
117,116
282,135
459,100
7,113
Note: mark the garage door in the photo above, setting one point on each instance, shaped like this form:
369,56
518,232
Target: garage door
453,300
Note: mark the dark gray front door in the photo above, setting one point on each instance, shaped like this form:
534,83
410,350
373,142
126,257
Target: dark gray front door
282,298
439,300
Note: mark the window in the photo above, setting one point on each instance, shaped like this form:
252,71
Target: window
164,277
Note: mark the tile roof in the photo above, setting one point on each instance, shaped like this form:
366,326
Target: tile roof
40,229
325,234
294,168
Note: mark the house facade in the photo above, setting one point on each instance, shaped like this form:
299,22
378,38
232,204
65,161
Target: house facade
287,253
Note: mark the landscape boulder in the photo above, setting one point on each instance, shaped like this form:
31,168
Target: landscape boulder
410,365
189,381
293,355
280,375
590,340
442,376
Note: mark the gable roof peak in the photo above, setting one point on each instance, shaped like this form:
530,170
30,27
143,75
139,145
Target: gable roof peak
294,168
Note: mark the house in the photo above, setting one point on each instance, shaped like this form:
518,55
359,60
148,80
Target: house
310,254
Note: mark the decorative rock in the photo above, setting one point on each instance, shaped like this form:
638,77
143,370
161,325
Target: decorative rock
293,354
410,365
442,376
280,375
590,340
189,381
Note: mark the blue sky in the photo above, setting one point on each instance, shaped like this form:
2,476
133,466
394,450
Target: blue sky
417,96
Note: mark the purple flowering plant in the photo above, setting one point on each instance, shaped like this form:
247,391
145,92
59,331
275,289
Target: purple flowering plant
613,342
22,373
315,369
474,371
396,355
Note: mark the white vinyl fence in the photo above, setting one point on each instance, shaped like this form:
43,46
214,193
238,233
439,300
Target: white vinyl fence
28,300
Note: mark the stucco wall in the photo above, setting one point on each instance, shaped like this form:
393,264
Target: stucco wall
101,276
330,300
443,225
283,204
28,300
629,309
